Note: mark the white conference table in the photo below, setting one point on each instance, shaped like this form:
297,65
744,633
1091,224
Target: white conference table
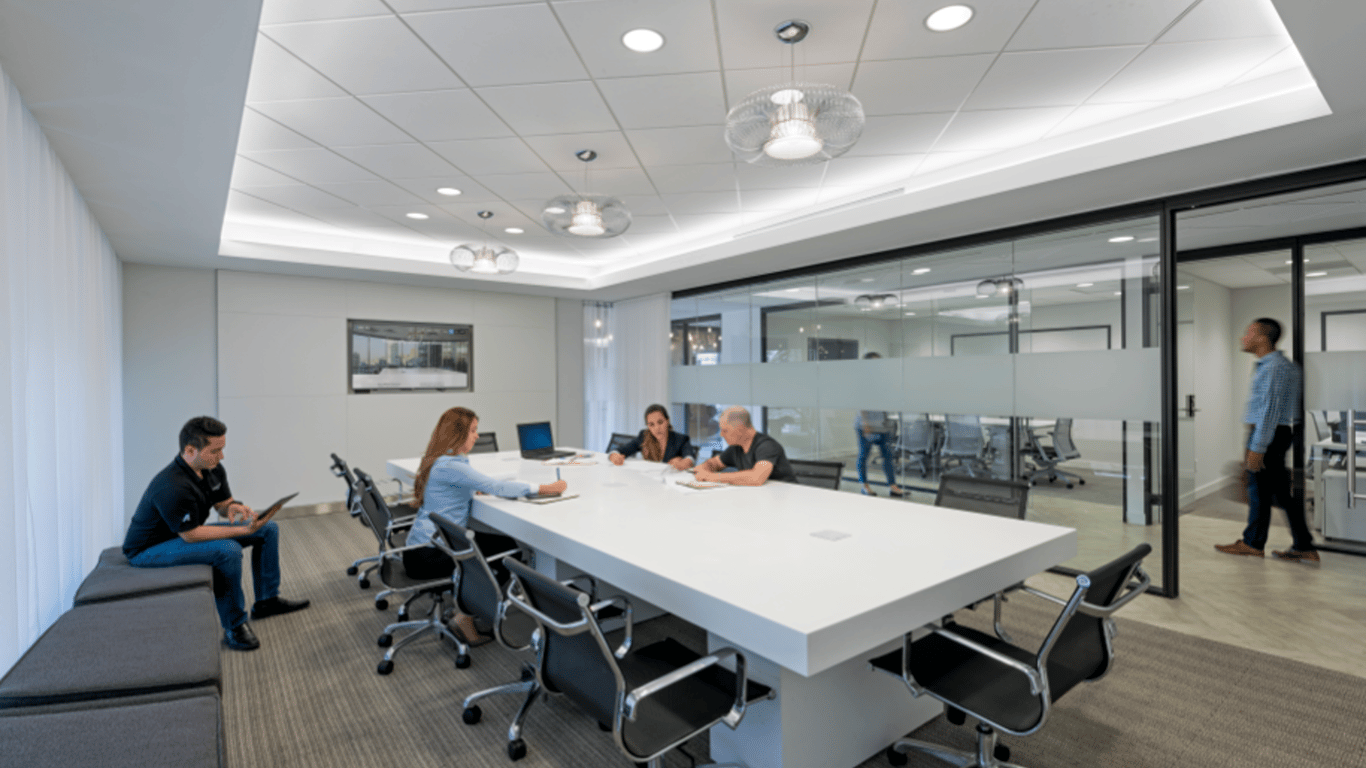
747,565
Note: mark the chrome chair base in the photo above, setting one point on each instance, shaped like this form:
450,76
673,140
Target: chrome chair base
984,757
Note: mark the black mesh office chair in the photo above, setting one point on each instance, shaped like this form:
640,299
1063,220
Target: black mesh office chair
487,442
651,699
988,496
1046,456
390,534
353,494
618,442
821,474
1004,686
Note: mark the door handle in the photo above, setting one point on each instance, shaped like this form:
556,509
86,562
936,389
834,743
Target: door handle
1191,410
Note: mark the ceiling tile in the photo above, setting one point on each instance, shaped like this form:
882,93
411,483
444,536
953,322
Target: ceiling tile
504,215
742,82
371,55
596,27
287,11
918,85
399,214
1071,24
666,101
1224,19
558,152
698,177
440,115
416,6
371,193
298,197
753,177
425,188
776,199
362,220
339,122
613,181
865,172
1048,78
898,29
747,39
645,205
1287,59
277,75
998,129
1181,70
398,161
689,203
1088,115
489,46
312,165
490,156
676,146
938,161
249,173
260,132
696,225
245,206
550,108
518,186
652,225
900,134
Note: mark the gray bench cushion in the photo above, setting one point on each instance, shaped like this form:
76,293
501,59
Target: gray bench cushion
181,733
113,578
155,643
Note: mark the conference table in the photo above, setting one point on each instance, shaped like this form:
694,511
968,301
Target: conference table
809,583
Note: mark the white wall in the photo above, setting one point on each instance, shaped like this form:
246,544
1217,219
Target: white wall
568,375
170,365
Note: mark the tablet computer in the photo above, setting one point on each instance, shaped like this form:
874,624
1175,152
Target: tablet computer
273,508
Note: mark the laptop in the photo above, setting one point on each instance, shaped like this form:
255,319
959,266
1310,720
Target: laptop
536,442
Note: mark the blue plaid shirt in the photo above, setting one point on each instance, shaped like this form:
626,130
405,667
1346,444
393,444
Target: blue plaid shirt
1274,399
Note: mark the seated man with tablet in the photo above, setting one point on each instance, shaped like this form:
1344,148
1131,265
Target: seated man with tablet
170,527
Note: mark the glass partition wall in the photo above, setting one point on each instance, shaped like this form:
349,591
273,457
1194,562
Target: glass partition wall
1032,358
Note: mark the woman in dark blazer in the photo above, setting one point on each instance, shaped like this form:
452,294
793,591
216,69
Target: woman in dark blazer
658,442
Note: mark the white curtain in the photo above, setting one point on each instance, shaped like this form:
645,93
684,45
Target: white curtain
625,365
61,422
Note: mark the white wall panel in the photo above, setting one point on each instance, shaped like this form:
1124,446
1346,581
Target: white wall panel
371,301
256,293
979,384
510,309
278,445
514,359
280,355
1119,384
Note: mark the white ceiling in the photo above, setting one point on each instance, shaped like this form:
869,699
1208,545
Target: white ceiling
357,109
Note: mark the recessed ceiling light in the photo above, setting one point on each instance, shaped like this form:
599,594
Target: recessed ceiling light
866,279
1119,293
1183,287
554,209
643,40
792,290
1122,239
909,314
1146,239
920,271
447,191
418,216
948,18
1085,285
983,297
1315,274
1290,261
514,230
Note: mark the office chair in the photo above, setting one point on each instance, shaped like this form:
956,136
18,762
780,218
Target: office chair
1046,457
964,444
353,493
988,496
389,566
919,442
618,442
821,474
487,442
1004,686
652,699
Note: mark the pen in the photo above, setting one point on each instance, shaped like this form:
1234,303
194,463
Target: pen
557,474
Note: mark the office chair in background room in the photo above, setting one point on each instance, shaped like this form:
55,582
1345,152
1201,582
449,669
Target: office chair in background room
1047,456
487,442
820,474
1004,686
652,699
919,442
618,442
964,445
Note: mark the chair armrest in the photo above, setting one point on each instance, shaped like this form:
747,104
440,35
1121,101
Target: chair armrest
1134,589
1044,595
625,606
1036,682
737,709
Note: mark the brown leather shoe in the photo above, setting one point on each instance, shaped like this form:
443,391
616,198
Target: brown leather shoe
1240,547
1307,556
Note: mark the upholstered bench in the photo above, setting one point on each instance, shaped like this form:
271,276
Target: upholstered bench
113,578
156,643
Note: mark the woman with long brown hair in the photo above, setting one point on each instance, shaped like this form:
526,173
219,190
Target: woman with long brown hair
658,442
446,483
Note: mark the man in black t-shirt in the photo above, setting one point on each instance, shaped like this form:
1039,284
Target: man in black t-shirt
169,528
756,456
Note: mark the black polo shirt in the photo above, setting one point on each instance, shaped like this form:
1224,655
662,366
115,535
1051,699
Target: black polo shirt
761,448
175,501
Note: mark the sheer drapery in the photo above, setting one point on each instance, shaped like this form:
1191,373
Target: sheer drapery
61,423
625,365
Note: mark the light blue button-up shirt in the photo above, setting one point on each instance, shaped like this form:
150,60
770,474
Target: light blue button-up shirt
1274,399
450,489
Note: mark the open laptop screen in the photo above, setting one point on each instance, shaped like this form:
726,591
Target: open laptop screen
533,437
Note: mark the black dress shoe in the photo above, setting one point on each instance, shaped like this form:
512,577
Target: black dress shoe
241,638
276,606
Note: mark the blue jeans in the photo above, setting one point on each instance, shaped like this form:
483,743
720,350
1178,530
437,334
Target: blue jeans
225,556
865,444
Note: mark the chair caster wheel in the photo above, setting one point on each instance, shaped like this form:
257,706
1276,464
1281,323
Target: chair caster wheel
1033,482
604,727
385,667
471,715
1069,486
516,750
896,758
402,613
364,583
1002,753
352,570
955,716
1081,482
381,605
385,640
462,661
